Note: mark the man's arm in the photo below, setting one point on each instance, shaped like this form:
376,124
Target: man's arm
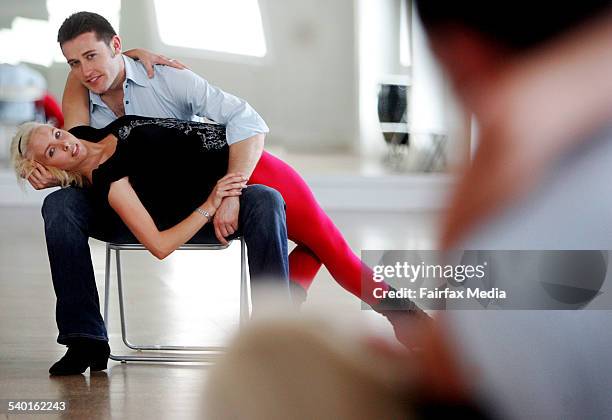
75,103
244,155
243,158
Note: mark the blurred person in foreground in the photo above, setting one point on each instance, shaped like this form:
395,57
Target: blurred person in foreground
538,85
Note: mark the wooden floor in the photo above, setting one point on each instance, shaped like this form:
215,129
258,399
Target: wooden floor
167,302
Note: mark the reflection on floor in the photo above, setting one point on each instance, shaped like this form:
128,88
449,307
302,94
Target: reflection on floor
166,302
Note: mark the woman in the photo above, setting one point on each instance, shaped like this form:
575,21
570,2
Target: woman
165,179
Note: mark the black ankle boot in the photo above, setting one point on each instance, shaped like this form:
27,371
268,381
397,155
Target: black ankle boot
82,353
401,313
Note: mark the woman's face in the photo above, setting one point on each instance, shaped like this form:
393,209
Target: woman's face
57,148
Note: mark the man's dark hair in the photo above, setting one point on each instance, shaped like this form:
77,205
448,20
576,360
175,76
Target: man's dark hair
83,22
519,25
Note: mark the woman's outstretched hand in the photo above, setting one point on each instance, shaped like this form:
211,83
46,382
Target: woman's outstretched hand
231,185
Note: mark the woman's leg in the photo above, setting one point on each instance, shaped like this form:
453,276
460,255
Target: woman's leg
303,266
311,228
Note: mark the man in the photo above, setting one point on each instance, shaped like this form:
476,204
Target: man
537,81
117,86
518,364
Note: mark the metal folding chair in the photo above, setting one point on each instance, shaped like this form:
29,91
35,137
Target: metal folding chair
204,353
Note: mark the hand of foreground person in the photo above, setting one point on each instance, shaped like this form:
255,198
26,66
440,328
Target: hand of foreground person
431,360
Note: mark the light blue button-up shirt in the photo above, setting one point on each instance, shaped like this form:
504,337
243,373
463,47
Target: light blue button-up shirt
181,94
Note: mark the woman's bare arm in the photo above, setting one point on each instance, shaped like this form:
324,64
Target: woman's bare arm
124,200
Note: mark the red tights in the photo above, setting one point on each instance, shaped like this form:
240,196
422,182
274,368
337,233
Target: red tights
318,240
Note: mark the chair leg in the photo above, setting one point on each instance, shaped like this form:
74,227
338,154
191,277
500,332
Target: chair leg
121,305
107,271
107,285
244,298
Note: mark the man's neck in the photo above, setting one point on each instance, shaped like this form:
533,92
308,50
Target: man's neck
117,85
113,97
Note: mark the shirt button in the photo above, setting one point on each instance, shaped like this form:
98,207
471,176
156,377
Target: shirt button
127,102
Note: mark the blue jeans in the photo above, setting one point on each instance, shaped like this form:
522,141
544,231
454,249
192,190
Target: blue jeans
70,220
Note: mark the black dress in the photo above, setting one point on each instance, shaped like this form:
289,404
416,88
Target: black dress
172,164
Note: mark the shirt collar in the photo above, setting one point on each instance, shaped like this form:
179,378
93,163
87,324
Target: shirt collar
135,72
94,99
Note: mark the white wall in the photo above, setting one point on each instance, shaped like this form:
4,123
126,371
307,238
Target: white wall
378,34
429,93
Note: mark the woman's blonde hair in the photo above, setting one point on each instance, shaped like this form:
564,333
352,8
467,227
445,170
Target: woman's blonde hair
24,167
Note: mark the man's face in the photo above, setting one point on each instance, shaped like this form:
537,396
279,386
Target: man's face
96,64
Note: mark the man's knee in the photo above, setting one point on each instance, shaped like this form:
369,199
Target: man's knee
264,201
65,205
265,196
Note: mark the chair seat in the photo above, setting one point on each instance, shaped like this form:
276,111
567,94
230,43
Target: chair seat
187,246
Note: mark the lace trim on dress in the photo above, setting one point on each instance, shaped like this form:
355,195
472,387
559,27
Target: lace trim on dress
212,136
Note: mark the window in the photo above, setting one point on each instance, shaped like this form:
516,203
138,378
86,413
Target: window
232,26
405,33
28,40
34,40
